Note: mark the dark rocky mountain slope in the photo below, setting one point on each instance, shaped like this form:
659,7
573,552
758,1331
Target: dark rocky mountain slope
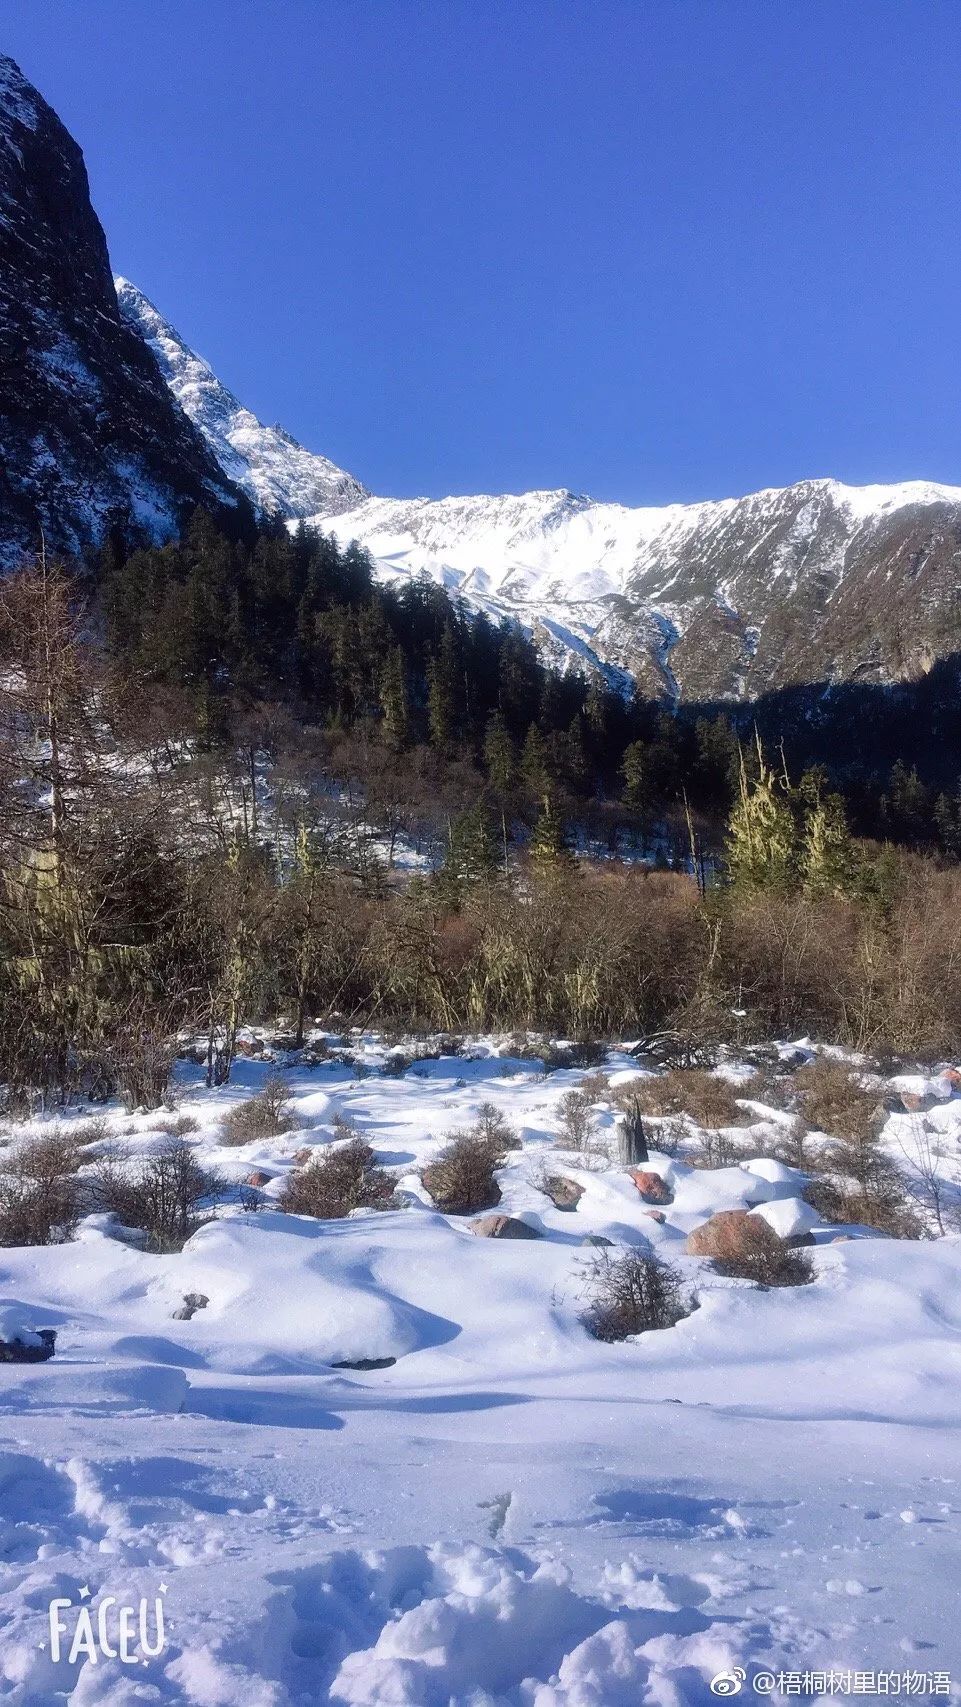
89,432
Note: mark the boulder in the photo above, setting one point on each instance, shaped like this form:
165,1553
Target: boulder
721,1236
655,1215
193,1301
503,1227
33,1345
651,1186
364,1363
258,1178
598,1241
564,1193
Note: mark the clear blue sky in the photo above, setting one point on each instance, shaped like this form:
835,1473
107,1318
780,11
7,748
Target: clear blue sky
648,249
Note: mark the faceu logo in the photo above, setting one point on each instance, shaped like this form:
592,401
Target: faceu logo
132,1632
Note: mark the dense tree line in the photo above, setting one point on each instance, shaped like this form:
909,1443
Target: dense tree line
160,876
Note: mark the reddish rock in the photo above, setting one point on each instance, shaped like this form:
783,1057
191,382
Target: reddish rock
651,1186
503,1227
258,1177
722,1236
655,1215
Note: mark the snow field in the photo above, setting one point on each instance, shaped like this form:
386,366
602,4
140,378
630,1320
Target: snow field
511,1512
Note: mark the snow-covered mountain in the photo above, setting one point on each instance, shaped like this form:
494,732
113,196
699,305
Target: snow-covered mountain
725,599
722,599
276,472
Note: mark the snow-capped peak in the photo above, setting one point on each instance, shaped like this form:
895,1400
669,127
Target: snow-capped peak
276,472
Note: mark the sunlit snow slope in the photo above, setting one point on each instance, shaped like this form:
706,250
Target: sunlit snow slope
276,472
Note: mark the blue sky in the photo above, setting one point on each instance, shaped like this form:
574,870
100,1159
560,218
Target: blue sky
648,249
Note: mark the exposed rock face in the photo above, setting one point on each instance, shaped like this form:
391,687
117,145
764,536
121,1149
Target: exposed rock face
89,432
277,474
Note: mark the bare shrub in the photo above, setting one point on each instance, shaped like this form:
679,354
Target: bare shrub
39,1195
56,1152
178,1126
879,1202
345,1125
461,1180
716,1150
708,1101
633,1294
494,1129
263,1116
162,1194
596,1086
832,1100
337,1182
753,1251
577,1120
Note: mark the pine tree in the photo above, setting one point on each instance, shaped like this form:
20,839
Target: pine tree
472,852
549,850
394,702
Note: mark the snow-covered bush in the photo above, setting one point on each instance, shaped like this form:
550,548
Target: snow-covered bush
633,1294
337,1182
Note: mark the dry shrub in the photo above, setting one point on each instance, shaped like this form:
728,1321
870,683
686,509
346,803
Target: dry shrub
879,1202
178,1126
39,1191
716,1150
578,1121
708,1101
56,1152
831,1100
337,1182
596,1087
461,1180
161,1194
263,1116
495,1129
633,1294
745,1247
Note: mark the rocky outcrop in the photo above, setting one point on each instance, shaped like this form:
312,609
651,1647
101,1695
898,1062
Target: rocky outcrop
89,432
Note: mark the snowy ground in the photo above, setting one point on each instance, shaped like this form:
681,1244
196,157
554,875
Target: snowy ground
511,1512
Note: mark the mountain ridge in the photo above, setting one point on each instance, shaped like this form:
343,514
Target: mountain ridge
726,598
277,473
